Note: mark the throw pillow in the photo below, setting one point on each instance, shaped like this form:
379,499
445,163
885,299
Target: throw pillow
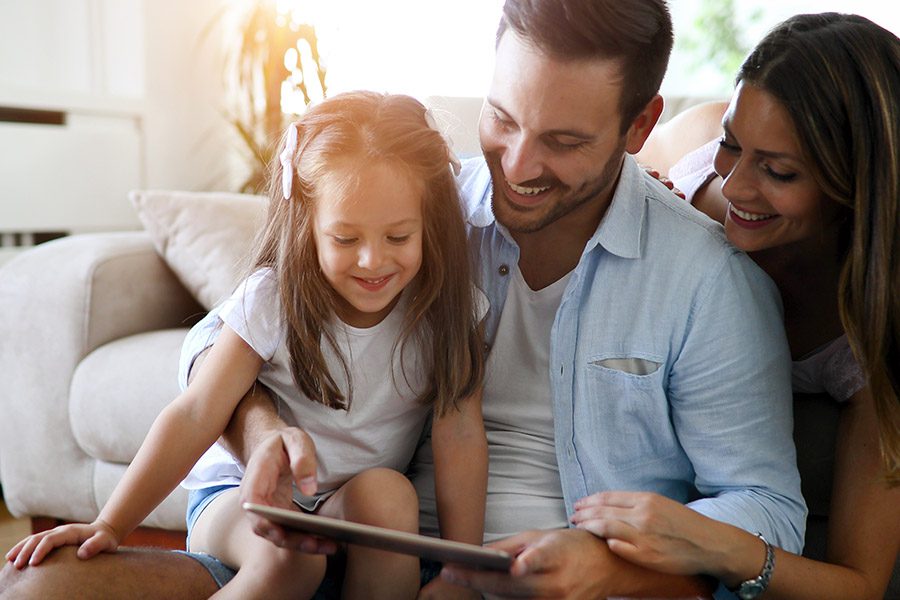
204,237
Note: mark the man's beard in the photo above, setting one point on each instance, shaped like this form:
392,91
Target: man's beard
567,200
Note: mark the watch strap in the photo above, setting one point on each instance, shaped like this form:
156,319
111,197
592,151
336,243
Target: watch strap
753,588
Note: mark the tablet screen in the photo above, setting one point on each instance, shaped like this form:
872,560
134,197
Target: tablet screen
437,549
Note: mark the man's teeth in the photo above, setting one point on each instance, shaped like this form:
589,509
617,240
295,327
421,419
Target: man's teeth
527,191
747,216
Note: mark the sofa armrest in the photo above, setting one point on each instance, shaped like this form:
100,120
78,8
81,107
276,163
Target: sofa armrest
61,300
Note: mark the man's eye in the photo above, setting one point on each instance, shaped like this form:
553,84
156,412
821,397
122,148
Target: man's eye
500,120
566,144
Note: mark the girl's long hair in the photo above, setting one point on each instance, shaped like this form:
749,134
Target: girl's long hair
839,78
359,129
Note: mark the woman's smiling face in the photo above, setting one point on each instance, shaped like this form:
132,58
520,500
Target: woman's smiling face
773,199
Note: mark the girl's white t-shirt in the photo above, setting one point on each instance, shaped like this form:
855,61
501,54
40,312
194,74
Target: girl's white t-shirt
385,420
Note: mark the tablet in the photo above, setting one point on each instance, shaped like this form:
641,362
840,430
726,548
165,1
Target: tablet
445,551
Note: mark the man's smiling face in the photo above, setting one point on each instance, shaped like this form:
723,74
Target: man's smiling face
551,134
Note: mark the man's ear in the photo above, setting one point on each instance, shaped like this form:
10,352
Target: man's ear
643,124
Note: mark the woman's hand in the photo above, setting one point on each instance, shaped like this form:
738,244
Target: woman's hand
93,538
663,180
653,531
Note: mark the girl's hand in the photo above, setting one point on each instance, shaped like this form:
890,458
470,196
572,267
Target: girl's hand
285,457
652,531
93,538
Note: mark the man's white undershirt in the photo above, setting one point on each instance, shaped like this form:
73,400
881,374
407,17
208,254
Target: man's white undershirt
524,490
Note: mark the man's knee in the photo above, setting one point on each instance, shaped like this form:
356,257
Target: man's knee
129,573
12,582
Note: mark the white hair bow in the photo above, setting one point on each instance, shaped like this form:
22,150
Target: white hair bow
287,161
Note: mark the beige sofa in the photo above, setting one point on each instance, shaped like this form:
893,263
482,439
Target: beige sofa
92,327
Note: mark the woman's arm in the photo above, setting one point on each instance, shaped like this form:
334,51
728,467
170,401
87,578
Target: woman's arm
460,464
864,520
683,133
863,534
179,435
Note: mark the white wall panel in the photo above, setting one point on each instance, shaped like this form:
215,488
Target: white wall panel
72,177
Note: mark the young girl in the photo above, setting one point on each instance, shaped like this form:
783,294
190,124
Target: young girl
361,319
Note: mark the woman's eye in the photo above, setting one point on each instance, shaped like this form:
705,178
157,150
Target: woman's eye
777,176
727,146
398,239
343,241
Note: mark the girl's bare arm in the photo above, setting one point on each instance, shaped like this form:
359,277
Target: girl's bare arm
179,435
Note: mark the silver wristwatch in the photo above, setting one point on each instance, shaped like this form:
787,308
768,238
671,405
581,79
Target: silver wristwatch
753,588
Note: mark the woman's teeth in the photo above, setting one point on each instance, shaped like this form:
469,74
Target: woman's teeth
527,191
748,216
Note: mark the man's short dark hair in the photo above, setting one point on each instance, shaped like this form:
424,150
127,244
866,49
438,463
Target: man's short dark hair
638,33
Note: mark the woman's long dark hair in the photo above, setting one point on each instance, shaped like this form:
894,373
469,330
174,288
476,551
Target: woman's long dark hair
838,76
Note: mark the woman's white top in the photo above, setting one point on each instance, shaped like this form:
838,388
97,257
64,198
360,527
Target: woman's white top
831,369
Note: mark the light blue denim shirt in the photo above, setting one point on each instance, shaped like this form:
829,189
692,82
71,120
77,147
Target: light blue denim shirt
669,366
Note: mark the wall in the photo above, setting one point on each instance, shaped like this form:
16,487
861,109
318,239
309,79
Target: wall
133,95
189,145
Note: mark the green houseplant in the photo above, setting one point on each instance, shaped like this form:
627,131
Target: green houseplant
256,74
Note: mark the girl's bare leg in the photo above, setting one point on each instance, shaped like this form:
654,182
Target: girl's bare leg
263,569
384,498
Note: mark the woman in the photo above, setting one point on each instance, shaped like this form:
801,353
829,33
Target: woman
806,179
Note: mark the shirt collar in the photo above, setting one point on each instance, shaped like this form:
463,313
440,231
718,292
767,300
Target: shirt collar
476,188
620,231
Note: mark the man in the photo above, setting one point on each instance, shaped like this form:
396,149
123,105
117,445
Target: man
630,347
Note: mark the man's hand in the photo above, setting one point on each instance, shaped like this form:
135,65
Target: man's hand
569,563
283,457
555,563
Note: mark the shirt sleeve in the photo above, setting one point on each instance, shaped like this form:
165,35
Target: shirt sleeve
253,313
730,393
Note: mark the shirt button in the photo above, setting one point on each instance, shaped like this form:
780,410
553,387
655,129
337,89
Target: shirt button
503,270
487,347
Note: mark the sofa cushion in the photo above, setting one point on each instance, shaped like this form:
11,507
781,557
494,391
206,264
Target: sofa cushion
119,389
204,237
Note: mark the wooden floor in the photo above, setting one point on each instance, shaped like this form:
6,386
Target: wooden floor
11,529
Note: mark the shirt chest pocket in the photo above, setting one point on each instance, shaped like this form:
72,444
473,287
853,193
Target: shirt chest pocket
624,413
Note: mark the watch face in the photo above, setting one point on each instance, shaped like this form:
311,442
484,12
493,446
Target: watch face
750,590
